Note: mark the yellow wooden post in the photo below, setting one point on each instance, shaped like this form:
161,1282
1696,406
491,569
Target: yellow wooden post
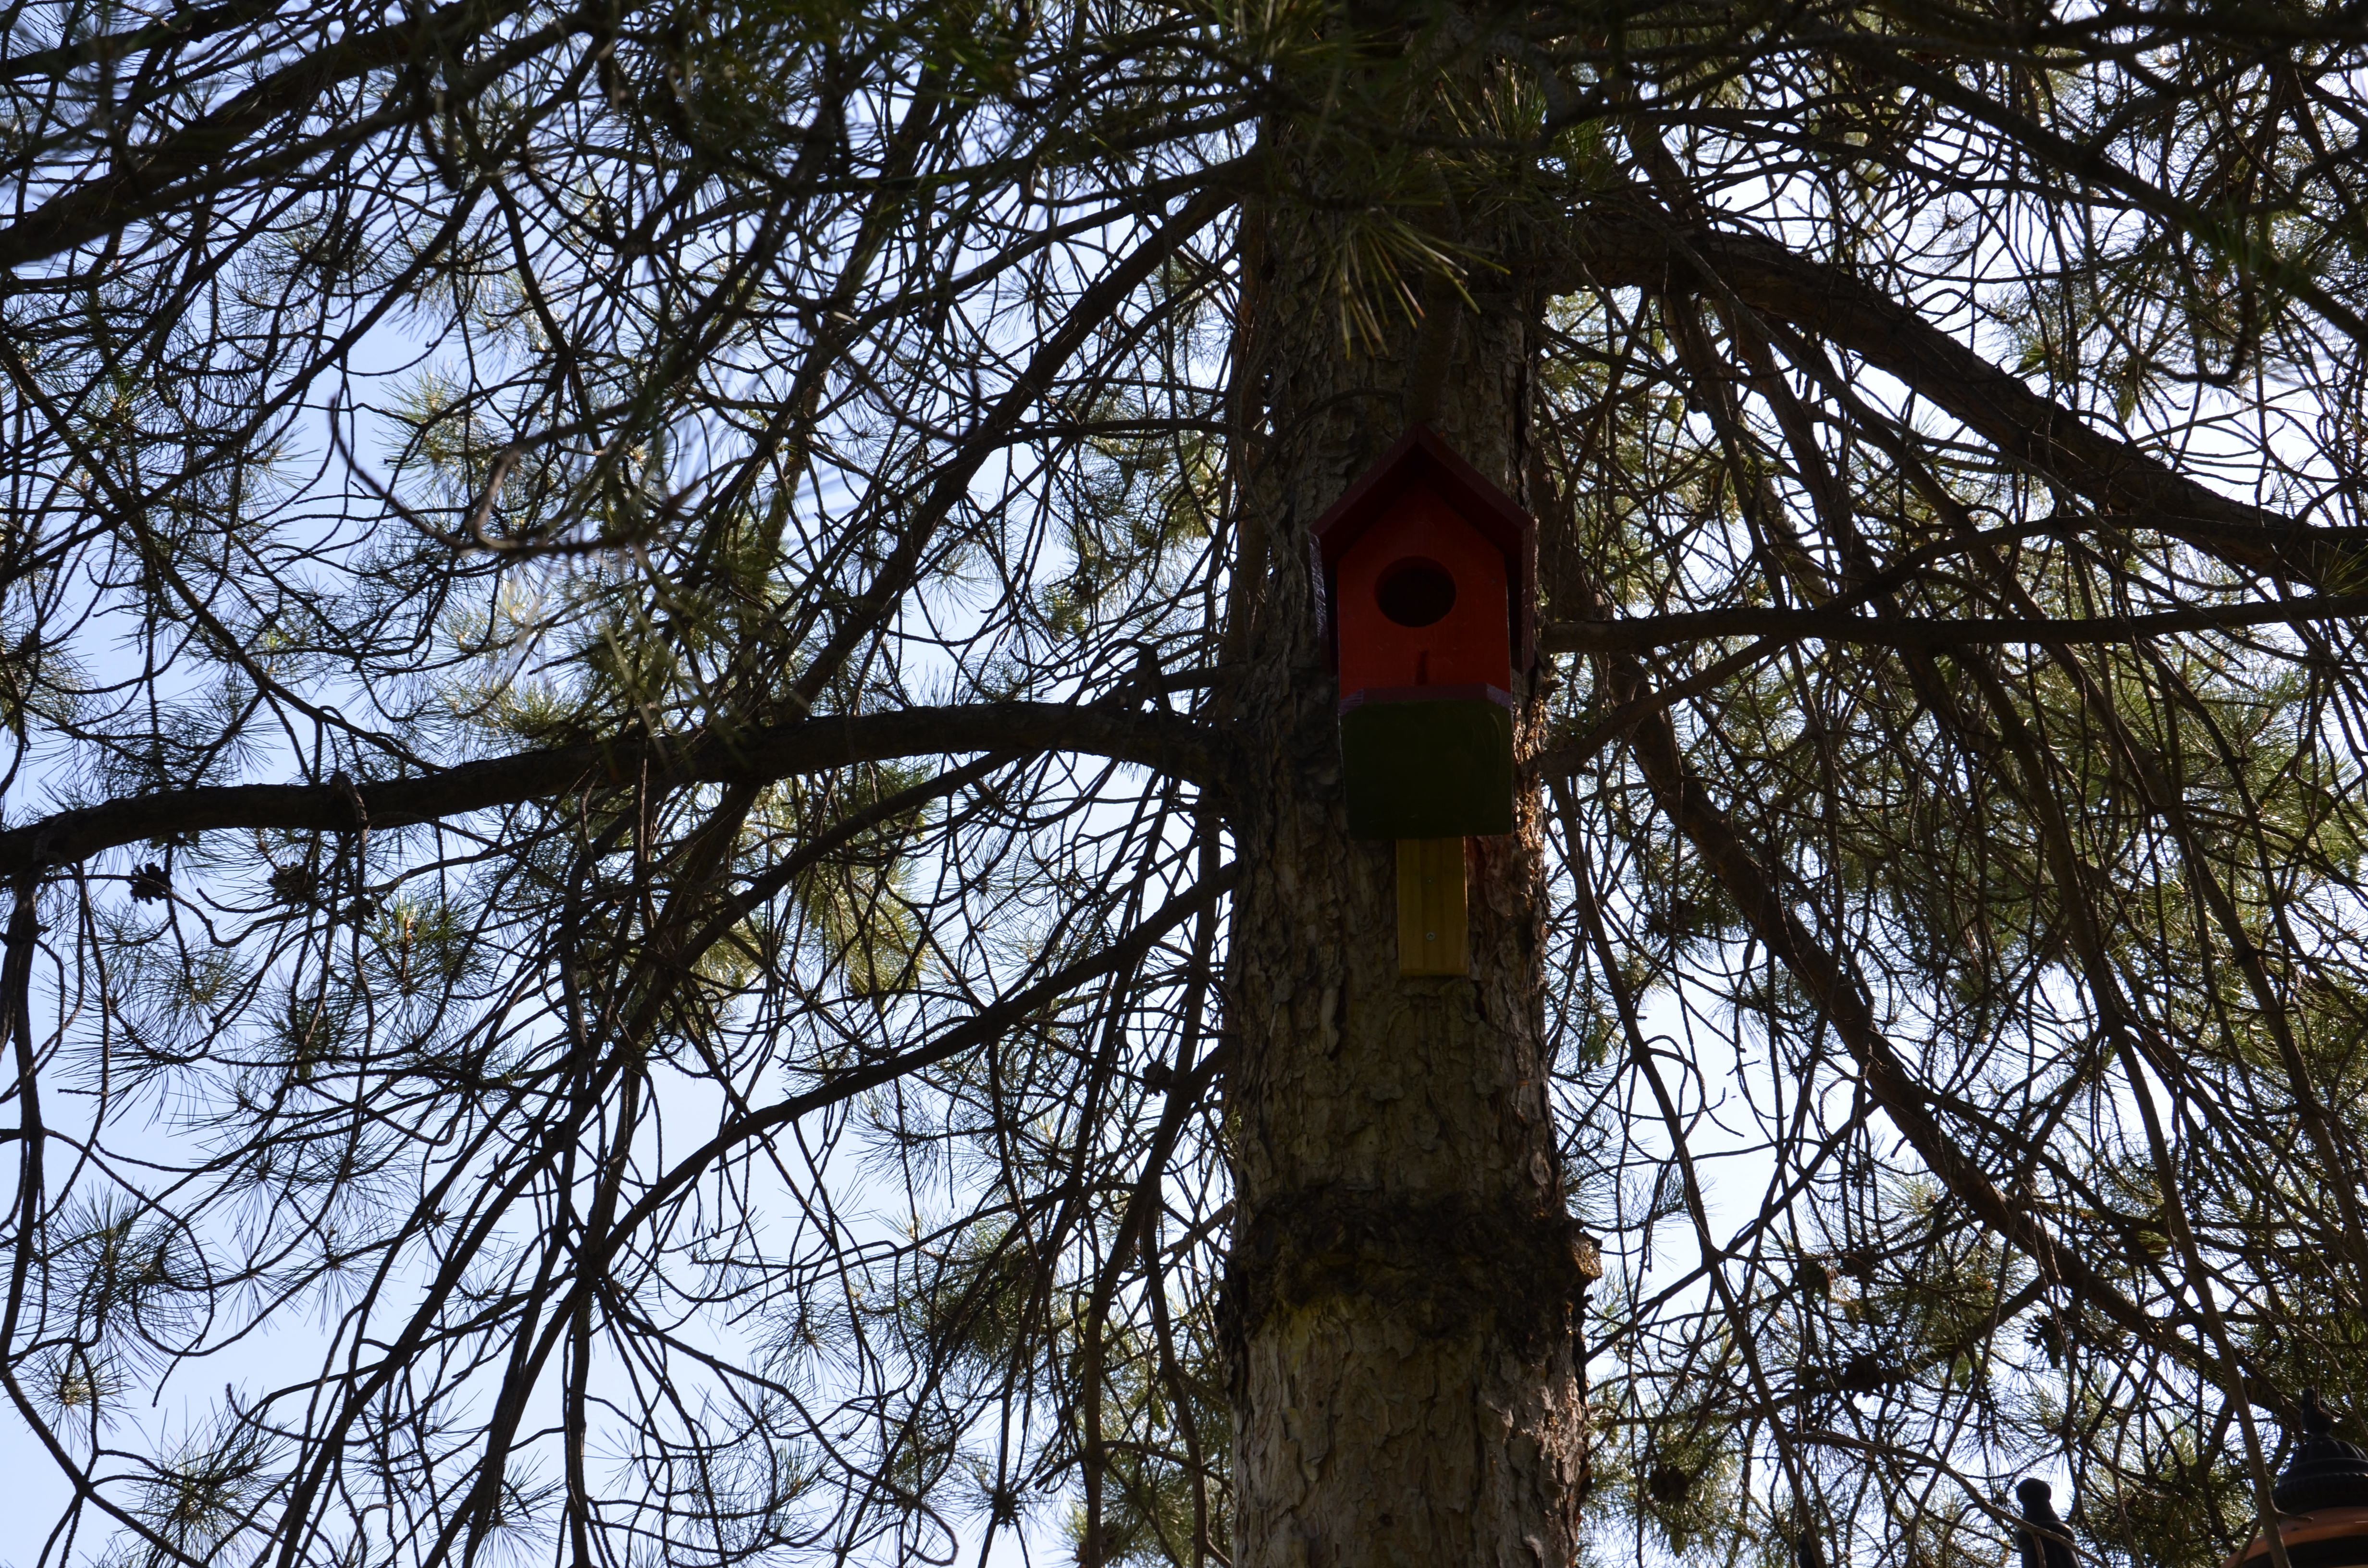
1434,923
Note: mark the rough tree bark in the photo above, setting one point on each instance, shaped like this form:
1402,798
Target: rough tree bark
1402,1294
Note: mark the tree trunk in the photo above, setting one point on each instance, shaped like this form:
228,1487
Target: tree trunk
1402,1293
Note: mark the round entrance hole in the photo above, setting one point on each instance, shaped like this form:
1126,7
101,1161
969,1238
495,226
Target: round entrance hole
1414,592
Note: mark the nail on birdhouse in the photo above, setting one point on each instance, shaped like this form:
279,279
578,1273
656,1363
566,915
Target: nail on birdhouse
1428,580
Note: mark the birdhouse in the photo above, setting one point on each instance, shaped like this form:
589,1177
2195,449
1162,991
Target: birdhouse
1428,588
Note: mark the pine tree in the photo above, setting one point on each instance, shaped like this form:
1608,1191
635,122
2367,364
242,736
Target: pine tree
678,878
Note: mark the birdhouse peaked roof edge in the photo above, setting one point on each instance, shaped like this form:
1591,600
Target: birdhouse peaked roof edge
1422,456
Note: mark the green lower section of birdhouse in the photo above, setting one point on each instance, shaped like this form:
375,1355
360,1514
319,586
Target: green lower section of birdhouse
1439,769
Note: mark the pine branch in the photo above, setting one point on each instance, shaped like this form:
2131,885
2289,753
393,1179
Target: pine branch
1633,242
1164,742
1636,633
197,161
